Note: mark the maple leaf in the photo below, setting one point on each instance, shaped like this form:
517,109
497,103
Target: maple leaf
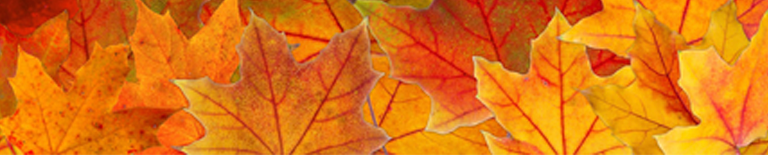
50,43
725,34
5,146
749,13
107,22
604,62
759,146
612,28
163,53
283,107
729,99
402,110
23,17
654,104
52,121
542,109
310,28
433,47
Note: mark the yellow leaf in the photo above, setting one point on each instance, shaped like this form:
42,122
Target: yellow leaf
729,100
726,34
52,121
542,109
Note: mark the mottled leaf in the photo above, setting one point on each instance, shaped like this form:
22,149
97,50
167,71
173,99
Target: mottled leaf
283,107
50,120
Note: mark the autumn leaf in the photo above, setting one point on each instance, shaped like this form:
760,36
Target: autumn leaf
49,43
612,28
6,147
107,22
418,4
8,54
308,24
433,47
759,146
725,34
22,17
160,151
654,104
542,109
749,13
604,62
283,107
402,110
729,100
52,121
163,53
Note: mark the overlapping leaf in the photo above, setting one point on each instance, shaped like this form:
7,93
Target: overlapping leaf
52,121
282,107
612,28
106,22
163,53
542,109
730,100
654,104
725,34
22,17
49,43
402,110
749,13
433,47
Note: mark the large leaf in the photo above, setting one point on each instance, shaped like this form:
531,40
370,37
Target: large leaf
729,99
612,28
163,53
433,47
402,110
282,107
52,121
49,43
106,22
654,104
542,109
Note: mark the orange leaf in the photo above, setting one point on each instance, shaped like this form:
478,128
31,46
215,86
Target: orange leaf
52,121
6,147
106,22
284,107
403,111
612,28
750,12
163,53
180,129
311,27
730,100
161,151
542,109
655,103
433,47
50,43
725,34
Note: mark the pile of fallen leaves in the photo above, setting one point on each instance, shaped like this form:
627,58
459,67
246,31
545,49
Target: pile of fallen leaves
373,76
